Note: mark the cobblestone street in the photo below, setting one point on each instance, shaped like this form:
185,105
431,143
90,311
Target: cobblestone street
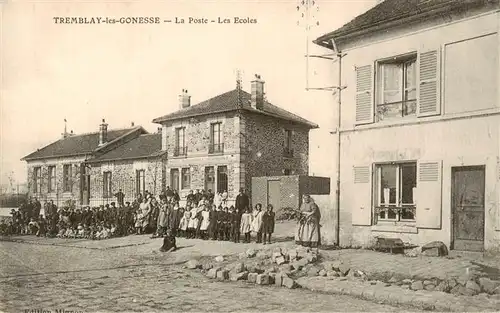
48,277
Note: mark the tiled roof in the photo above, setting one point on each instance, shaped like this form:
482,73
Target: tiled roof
392,10
147,145
229,102
75,145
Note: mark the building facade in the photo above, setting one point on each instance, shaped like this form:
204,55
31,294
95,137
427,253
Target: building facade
420,124
221,143
89,169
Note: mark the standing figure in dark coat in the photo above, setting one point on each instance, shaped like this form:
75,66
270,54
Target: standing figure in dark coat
268,224
120,196
212,228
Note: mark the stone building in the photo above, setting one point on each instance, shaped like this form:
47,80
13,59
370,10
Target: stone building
90,168
221,143
419,127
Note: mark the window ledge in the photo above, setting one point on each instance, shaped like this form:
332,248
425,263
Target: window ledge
395,227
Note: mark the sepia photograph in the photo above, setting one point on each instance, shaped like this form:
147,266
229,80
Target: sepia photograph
249,156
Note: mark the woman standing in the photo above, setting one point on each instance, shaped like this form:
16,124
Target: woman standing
257,222
145,210
163,217
308,233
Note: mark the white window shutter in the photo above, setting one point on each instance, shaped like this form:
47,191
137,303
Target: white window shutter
364,94
429,83
362,200
429,194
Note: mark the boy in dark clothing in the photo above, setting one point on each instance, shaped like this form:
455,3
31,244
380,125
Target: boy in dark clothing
221,224
268,223
213,223
235,225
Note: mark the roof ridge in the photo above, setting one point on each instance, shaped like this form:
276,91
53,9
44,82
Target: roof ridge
96,132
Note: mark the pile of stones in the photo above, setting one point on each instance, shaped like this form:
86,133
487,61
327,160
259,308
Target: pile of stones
468,285
278,267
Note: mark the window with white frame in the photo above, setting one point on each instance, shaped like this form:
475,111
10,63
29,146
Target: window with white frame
395,196
107,192
180,141
174,178
140,181
67,182
186,178
52,179
37,180
396,87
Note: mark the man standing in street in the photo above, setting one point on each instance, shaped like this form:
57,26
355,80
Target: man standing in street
120,196
241,205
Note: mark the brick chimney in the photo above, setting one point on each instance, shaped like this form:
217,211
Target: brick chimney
103,133
184,99
257,93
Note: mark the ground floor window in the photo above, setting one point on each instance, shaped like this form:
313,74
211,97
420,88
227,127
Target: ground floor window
222,179
209,178
52,179
174,179
396,185
37,180
107,191
186,178
140,181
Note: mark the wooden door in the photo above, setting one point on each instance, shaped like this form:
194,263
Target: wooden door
274,194
468,188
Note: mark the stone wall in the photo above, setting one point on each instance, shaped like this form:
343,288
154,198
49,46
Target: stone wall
123,176
58,195
263,147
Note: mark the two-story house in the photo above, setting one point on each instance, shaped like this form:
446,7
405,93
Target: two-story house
91,168
221,143
420,123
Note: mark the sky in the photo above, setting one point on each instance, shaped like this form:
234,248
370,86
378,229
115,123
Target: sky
134,73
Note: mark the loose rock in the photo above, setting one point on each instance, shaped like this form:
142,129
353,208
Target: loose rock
312,272
207,266
344,268
250,253
451,283
238,276
289,283
252,277
435,248
223,275
280,260
443,286
322,273
488,285
393,280
427,282
336,265
417,285
332,274
278,279
238,267
262,279
430,287
473,287
219,259
193,264
212,273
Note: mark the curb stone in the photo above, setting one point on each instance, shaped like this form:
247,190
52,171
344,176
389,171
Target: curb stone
439,301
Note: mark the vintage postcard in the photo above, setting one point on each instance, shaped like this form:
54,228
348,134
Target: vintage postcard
249,156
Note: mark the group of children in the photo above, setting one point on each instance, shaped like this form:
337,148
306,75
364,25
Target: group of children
227,224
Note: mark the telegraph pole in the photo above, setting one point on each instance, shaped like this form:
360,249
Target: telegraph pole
308,7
